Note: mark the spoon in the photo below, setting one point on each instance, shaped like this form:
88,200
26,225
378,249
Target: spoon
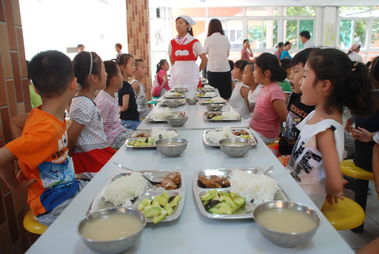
148,178
269,171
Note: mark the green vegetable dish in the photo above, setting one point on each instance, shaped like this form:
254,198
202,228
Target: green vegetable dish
218,202
139,142
159,207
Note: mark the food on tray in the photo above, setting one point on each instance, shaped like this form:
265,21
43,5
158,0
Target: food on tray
173,94
158,133
219,202
141,135
140,142
159,207
123,190
111,227
225,115
171,182
217,99
255,188
213,181
215,135
160,114
206,94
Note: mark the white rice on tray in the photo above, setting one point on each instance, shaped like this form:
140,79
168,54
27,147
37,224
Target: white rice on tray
123,189
215,136
160,114
259,187
231,115
155,132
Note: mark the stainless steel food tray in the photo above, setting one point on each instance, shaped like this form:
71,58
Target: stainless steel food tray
199,191
182,102
99,203
252,141
169,96
151,120
205,97
134,137
209,101
219,120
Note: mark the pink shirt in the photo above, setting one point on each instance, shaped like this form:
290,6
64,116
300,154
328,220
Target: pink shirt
109,110
265,119
160,75
246,54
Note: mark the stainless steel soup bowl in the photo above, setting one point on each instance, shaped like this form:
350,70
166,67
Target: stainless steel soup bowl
287,240
114,246
176,119
235,147
192,101
171,147
172,103
214,107
180,89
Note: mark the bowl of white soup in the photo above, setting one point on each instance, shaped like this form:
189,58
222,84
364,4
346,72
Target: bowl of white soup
112,230
287,224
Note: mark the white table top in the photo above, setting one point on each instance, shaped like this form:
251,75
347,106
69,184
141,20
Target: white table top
195,119
192,232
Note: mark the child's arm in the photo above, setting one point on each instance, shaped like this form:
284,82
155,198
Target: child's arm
334,182
73,133
135,87
165,80
362,134
244,93
17,125
281,108
375,166
125,102
204,61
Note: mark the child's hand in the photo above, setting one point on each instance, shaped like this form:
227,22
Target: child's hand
349,125
24,183
333,199
362,134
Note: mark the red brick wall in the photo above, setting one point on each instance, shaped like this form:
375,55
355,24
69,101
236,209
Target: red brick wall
14,99
139,32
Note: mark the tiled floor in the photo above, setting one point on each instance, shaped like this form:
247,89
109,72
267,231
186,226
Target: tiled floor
358,240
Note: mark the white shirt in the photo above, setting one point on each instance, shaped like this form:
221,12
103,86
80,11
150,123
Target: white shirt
237,102
355,57
217,47
197,48
309,44
306,161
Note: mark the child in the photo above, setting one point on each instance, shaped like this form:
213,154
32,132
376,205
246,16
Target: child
139,88
270,108
107,104
285,84
238,100
161,85
126,96
330,82
42,153
297,111
279,50
286,48
87,141
183,52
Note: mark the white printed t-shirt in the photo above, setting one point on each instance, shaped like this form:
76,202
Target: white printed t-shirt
306,161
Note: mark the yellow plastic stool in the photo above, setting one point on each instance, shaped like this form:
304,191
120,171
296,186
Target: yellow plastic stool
350,169
32,225
344,215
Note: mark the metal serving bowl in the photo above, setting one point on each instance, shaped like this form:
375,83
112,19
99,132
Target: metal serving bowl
287,240
171,147
172,103
214,107
192,101
176,119
180,89
114,246
235,147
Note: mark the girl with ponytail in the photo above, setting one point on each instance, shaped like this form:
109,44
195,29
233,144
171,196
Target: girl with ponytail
330,82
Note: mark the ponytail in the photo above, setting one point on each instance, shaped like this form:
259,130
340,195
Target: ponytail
350,81
160,64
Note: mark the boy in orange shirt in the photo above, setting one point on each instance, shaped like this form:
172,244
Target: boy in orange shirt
41,150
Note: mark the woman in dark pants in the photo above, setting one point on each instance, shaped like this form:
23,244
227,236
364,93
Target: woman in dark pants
217,47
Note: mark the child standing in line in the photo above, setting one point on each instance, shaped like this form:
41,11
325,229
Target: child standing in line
270,108
140,89
183,52
107,104
161,80
41,150
126,97
330,82
285,54
87,141
297,111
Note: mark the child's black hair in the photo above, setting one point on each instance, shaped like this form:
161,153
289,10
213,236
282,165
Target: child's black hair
160,64
350,81
240,64
301,57
287,43
82,67
112,70
51,72
268,61
285,63
123,59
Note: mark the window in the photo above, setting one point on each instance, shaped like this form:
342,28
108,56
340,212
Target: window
375,34
262,33
262,11
352,31
300,11
233,30
294,27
